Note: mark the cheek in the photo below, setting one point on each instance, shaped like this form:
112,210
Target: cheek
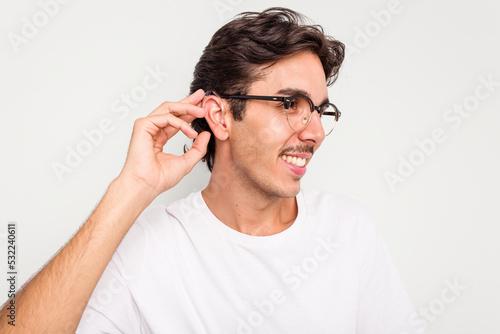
260,137
246,143
273,129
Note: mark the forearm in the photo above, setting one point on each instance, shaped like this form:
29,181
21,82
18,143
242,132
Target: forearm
54,300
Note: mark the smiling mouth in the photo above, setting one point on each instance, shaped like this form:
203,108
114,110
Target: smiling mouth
296,161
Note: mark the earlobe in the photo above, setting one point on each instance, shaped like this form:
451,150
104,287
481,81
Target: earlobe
215,116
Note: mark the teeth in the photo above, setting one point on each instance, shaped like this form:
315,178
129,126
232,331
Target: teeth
299,162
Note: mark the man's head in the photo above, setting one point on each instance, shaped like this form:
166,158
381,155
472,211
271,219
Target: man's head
240,51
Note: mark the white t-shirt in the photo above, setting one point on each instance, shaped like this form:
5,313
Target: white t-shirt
181,270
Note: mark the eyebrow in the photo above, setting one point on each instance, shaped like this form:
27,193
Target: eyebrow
290,91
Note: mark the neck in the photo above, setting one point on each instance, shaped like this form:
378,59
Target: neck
245,209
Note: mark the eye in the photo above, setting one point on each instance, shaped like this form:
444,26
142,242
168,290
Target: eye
294,104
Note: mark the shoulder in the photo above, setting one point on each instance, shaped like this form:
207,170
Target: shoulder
339,214
150,236
338,205
153,223
345,220
156,218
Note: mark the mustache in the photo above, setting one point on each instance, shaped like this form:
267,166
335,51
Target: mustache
298,149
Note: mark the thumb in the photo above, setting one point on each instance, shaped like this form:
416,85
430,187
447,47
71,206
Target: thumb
197,151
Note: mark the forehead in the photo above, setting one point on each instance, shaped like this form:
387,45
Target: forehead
302,71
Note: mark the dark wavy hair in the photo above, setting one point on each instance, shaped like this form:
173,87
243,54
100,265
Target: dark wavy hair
233,59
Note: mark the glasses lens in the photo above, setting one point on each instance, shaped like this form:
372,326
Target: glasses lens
299,113
329,118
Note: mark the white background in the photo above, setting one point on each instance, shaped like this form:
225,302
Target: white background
404,72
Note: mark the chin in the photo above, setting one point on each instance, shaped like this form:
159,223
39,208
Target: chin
289,192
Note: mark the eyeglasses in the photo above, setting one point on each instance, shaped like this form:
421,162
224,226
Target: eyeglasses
299,109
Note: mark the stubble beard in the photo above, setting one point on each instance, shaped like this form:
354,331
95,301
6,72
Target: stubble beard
264,186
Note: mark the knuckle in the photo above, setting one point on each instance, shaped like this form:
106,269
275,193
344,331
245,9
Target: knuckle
138,122
166,106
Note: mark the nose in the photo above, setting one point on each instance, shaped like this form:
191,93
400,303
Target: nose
314,130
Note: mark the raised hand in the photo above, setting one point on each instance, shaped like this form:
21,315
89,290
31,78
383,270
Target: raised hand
68,280
146,162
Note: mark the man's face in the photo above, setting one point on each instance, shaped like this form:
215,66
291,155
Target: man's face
262,142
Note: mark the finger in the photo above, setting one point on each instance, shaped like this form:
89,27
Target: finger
168,132
188,118
160,140
197,151
194,98
189,111
168,123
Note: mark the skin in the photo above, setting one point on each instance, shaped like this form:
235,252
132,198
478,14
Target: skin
260,197
251,189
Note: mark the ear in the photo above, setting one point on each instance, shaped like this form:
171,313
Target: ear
216,116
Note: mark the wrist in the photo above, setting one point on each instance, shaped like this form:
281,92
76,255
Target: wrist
128,197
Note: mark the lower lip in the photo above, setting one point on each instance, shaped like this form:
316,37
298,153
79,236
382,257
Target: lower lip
300,171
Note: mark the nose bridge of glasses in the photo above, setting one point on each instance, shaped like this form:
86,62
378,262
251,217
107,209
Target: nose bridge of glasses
319,109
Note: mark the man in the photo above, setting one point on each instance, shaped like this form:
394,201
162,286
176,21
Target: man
251,253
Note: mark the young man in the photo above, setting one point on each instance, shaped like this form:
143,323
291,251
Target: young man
251,253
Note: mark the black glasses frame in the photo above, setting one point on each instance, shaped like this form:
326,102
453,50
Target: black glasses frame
287,101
